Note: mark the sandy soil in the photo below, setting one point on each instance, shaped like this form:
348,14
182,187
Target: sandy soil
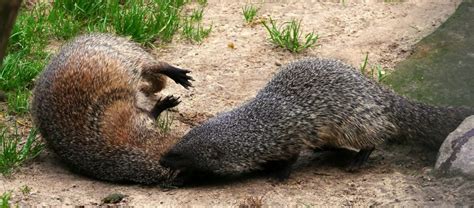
226,77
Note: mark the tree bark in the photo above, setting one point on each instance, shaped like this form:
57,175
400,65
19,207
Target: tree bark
8,12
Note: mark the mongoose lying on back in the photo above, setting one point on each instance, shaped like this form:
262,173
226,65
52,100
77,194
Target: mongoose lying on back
85,107
313,103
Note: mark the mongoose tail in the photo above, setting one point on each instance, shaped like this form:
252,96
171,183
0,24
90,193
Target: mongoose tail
426,124
418,123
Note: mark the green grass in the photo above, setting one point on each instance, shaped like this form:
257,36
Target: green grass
18,102
5,200
19,69
62,25
194,31
25,190
249,12
363,66
376,72
84,9
202,2
164,121
197,14
192,28
30,30
144,21
14,152
289,36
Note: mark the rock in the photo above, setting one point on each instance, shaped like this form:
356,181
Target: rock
440,70
456,155
113,198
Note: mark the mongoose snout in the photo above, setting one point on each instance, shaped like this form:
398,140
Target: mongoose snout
176,161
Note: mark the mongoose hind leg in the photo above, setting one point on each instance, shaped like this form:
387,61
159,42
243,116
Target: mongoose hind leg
281,169
178,75
359,159
163,104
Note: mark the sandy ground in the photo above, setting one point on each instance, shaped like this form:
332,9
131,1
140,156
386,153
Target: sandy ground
226,77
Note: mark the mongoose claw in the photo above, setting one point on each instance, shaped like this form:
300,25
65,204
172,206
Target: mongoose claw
180,76
170,101
163,104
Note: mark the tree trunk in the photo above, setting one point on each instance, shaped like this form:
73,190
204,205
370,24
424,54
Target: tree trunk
8,12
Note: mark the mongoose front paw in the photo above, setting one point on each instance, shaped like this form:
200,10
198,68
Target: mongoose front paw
169,101
180,76
163,104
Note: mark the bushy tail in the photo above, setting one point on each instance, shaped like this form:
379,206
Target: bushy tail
427,124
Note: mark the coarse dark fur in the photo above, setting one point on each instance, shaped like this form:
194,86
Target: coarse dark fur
313,103
85,105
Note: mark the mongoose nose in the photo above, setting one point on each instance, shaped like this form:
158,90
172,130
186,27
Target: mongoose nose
175,161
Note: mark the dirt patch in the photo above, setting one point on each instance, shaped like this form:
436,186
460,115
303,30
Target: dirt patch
226,77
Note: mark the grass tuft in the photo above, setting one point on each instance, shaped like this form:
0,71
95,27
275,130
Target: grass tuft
144,23
19,69
192,28
5,200
18,102
25,190
164,121
62,25
195,31
363,66
197,14
14,152
288,36
249,12
202,2
83,9
30,31
376,72
343,2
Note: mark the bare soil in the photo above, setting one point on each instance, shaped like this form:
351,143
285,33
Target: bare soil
226,77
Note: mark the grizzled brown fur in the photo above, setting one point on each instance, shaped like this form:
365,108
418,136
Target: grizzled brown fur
313,103
85,105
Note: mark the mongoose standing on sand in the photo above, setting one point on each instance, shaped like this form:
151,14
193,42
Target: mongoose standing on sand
313,103
85,107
